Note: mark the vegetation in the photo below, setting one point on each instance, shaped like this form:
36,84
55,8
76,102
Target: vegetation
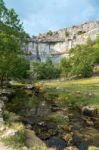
50,33
12,61
16,140
81,32
63,97
80,64
44,70
65,67
82,60
66,33
93,148
74,93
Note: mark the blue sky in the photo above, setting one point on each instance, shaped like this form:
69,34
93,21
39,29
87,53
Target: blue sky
40,16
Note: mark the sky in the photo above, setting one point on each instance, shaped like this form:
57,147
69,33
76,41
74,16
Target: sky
39,16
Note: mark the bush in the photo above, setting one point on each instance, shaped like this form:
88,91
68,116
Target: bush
47,70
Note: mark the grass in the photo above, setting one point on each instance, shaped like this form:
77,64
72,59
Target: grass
75,92
93,148
16,141
60,120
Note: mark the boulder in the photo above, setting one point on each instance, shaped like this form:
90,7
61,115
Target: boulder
32,140
89,111
56,142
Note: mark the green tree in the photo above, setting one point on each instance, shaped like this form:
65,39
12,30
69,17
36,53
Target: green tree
12,37
12,63
65,67
96,51
44,70
82,60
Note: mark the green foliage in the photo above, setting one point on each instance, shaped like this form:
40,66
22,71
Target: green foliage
81,32
65,67
44,70
12,35
57,118
16,141
96,53
66,33
82,60
50,33
12,63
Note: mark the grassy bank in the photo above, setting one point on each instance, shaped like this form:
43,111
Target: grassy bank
80,92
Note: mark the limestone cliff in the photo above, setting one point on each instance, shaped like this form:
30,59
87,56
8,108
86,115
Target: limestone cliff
55,45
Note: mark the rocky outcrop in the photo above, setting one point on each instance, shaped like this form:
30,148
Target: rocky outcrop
55,45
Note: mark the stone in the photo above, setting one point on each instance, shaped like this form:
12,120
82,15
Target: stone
29,86
68,138
32,140
96,124
51,125
56,142
28,126
89,111
89,121
4,99
10,133
71,148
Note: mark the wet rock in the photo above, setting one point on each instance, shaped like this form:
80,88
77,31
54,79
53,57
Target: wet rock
42,124
96,124
51,125
66,128
83,146
68,138
89,111
43,109
4,99
46,135
7,92
56,142
89,121
79,140
37,111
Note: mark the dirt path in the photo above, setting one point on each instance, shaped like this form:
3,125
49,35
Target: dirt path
3,147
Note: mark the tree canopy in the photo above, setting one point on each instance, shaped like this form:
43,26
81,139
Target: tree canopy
12,36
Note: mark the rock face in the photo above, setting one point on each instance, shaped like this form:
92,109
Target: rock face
55,45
